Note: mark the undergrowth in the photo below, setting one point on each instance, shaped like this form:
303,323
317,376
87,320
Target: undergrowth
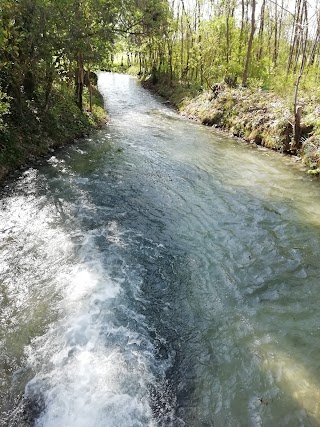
34,130
258,116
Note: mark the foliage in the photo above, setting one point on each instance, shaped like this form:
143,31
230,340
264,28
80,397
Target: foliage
185,47
4,108
37,131
203,42
264,46
44,46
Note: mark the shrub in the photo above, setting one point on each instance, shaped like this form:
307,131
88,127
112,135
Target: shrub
4,108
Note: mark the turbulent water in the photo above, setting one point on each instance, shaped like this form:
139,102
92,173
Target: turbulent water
159,274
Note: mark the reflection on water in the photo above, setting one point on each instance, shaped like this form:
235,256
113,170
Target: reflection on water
159,274
296,380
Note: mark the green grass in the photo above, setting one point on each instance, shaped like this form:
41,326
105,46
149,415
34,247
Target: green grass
176,93
261,117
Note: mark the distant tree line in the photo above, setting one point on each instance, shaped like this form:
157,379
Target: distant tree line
266,43
46,43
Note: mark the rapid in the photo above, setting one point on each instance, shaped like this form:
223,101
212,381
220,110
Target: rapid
158,273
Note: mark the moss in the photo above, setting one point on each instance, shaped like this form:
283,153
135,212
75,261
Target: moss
314,172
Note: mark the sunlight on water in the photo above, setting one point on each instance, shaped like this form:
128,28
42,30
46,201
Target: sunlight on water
82,380
295,380
159,274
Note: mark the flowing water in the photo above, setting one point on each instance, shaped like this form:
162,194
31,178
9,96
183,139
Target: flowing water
159,274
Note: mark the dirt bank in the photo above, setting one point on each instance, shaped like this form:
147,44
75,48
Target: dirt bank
257,117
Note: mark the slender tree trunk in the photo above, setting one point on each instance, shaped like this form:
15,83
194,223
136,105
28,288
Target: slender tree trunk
170,57
315,44
90,95
227,35
189,46
182,46
275,45
280,28
298,109
247,11
246,66
80,81
200,43
295,33
261,29
48,86
241,30
140,63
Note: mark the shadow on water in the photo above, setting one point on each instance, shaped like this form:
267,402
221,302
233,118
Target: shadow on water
163,269
210,279
102,208
158,264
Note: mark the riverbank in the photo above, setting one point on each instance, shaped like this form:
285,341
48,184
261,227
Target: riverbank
257,117
24,140
145,276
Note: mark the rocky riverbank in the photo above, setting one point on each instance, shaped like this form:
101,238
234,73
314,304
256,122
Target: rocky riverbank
257,117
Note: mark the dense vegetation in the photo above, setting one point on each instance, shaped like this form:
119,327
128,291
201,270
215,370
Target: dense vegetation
205,41
48,50
270,46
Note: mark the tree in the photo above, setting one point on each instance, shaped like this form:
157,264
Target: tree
250,42
43,41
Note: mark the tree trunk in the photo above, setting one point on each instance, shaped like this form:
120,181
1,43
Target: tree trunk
315,44
275,44
227,35
170,56
200,44
90,94
294,34
246,66
241,30
80,81
261,29
298,109
280,28
49,82
182,46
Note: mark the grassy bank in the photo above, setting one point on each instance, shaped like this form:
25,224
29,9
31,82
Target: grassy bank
259,117
32,132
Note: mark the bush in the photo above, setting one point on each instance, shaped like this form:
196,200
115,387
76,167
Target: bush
4,108
37,129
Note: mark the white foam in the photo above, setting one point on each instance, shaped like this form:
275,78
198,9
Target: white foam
88,391
91,372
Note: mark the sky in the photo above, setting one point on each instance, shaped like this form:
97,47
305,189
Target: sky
289,5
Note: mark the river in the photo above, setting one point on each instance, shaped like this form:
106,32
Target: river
159,273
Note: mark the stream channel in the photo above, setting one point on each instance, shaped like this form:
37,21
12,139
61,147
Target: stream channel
156,274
